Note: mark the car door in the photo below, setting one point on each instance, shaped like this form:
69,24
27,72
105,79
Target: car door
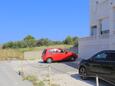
59,55
97,62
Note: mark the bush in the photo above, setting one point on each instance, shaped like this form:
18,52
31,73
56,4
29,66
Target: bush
71,41
28,41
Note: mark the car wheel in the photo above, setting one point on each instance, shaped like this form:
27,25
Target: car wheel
49,60
83,73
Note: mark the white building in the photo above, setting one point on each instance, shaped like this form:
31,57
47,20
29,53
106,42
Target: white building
102,32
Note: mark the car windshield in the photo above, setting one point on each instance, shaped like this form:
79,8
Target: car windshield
44,52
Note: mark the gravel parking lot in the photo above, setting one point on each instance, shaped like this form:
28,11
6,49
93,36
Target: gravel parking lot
62,73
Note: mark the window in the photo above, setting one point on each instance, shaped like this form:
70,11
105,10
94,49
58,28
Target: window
101,56
55,51
93,30
62,51
100,1
111,57
104,25
114,17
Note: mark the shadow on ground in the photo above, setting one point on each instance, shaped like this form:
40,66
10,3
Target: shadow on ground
90,81
71,64
74,64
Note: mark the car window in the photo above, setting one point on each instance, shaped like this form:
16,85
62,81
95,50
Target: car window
62,51
101,56
54,51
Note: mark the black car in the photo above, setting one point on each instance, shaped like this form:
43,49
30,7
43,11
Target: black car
101,64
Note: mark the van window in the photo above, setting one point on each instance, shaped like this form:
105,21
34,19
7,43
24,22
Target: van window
111,57
101,56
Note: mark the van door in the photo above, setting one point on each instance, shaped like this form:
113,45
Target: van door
110,67
97,63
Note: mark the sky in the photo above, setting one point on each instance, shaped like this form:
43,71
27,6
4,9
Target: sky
53,19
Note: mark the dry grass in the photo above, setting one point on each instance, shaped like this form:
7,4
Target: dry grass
34,81
7,54
44,47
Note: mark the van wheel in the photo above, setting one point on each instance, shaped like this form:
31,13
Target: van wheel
83,73
49,60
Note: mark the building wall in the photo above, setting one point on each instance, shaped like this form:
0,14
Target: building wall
99,10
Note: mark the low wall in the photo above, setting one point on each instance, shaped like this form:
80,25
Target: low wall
89,46
32,55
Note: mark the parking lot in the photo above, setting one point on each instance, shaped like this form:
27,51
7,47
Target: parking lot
61,73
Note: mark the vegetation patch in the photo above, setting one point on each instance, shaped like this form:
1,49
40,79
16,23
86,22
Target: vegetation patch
30,42
36,82
16,49
44,47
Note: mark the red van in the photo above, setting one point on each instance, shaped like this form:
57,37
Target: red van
57,54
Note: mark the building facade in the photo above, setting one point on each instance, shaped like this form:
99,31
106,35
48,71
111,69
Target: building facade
102,28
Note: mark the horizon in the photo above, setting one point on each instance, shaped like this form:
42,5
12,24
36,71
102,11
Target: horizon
43,19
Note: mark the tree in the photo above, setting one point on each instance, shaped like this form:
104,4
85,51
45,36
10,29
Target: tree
57,42
29,37
44,42
69,40
29,41
21,44
75,40
8,45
